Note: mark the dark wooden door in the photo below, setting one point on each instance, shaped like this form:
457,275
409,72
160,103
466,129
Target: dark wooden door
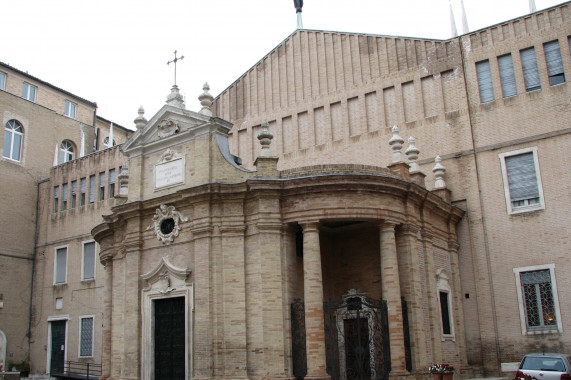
57,347
169,339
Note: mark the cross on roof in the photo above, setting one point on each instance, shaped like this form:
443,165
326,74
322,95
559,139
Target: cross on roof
175,60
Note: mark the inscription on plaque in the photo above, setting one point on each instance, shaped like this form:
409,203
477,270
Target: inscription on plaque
169,173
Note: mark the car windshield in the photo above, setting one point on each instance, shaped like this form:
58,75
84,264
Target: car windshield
543,364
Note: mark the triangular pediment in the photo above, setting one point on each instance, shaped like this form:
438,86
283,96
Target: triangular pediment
170,125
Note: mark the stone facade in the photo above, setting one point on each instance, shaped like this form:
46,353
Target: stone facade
284,191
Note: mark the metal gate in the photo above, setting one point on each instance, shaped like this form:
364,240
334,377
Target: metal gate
298,354
357,338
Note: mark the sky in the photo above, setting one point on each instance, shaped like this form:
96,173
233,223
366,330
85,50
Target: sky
115,52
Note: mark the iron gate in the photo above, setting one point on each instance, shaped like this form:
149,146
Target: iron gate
357,338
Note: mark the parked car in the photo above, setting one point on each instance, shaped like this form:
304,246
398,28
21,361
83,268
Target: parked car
545,367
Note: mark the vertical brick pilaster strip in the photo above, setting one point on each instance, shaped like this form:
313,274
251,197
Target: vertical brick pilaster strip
434,307
313,297
458,306
132,315
107,310
391,293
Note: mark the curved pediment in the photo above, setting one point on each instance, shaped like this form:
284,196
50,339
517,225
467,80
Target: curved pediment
165,277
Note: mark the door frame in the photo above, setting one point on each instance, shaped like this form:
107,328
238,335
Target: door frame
56,318
165,281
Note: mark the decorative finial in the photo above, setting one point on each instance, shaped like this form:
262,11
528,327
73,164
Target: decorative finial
396,145
412,154
298,5
532,7
206,100
439,170
465,28
265,137
140,120
175,98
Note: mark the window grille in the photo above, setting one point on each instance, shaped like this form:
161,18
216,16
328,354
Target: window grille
538,299
530,72
507,75
86,339
554,63
485,81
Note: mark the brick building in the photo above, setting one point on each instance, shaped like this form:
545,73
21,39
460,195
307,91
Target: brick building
230,247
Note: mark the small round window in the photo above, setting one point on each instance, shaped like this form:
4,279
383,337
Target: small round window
167,226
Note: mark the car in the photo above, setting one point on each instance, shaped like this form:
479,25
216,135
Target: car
543,366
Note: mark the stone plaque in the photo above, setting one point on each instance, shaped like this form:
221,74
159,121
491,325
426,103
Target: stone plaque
169,171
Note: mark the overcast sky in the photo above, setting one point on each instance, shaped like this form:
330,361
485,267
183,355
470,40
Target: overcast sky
115,52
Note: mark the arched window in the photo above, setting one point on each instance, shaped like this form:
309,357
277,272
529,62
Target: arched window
106,143
13,136
66,151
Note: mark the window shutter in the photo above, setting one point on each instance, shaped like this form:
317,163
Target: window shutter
521,177
56,192
530,73
554,62
485,81
82,185
88,261
111,176
61,258
64,191
102,179
73,187
507,75
91,189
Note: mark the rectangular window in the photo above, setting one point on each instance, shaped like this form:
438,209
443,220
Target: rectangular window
82,191
507,75
91,188
522,181
485,81
73,193
537,293
88,269
2,81
554,63
64,197
530,72
86,336
101,186
56,198
445,313
29,92
70,109
60,266
111,183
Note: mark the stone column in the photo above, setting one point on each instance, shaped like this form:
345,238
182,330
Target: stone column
107,310
390,283
313,298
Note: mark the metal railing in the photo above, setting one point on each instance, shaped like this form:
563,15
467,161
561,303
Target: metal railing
79,370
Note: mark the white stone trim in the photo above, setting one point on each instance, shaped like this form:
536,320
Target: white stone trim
521,306
165,281
443,285
509,206
49,345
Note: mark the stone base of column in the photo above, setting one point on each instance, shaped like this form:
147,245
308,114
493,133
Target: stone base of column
324,376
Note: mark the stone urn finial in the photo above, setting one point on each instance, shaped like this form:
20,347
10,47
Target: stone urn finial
412,155
140,120
439,170
265,137
206,100
396,145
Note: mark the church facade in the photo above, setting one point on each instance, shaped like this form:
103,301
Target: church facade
353,205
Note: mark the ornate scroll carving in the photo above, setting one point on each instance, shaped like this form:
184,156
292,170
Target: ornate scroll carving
166,223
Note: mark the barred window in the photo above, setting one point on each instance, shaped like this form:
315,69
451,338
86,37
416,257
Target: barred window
86,337
538,299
